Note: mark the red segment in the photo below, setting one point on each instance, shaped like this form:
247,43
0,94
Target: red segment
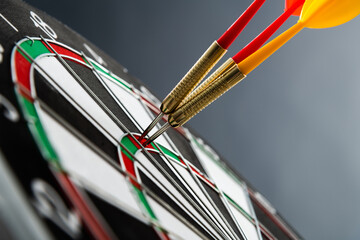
142,141
289,3
129,166
271,216
234,30
88,217
22,69
265,234
255,44
63,51
163,235
202,176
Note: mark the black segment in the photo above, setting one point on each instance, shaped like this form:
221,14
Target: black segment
220,205
88,77
268,223
72,116
182,143
167,169
159,193
122,224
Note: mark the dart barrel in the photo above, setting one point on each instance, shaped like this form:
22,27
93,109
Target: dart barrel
206,62
217,84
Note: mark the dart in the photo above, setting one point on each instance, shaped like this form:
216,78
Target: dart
254,45
205,63
315,14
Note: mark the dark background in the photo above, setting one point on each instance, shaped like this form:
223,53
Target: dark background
291,127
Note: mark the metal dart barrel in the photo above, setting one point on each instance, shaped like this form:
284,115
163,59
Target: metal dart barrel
227,77
191,79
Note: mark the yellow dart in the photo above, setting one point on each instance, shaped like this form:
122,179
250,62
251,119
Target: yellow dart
315,14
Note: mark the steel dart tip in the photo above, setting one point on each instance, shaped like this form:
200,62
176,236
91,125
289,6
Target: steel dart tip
151,125
165,127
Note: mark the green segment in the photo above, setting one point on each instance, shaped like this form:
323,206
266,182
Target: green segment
213,158
145,203
34,49
129,146
239,208
37,130
127,154
169,153
108,74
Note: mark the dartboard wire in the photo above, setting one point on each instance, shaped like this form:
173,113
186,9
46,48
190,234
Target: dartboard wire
101,80
70,97
169,208
225,202
208,214
98,75
138,125
195,178
165,135
107,159
205,193
224,199
154,223
94,148
102,105
176,172
200,186
130,134
118,143
252,212
211,201
63,92
91,207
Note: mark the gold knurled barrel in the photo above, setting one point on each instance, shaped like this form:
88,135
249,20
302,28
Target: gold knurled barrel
220,71
211,56
214,90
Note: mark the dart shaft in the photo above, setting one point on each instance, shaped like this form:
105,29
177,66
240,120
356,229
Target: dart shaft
211,56
210,93
255,59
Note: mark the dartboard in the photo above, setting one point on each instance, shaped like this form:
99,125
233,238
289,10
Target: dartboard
73,165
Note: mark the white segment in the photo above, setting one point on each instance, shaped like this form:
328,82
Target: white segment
170,222
64,79
134,107
248,228
223,180
168,187
199,193
88,167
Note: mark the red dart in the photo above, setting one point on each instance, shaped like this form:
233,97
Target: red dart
289,3
205,63
254,45
234,30
217,84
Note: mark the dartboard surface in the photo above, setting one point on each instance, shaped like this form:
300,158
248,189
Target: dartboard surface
72,165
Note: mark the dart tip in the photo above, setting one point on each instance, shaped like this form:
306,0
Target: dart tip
165,127
151,125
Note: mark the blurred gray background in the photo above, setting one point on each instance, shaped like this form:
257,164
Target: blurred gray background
292,127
